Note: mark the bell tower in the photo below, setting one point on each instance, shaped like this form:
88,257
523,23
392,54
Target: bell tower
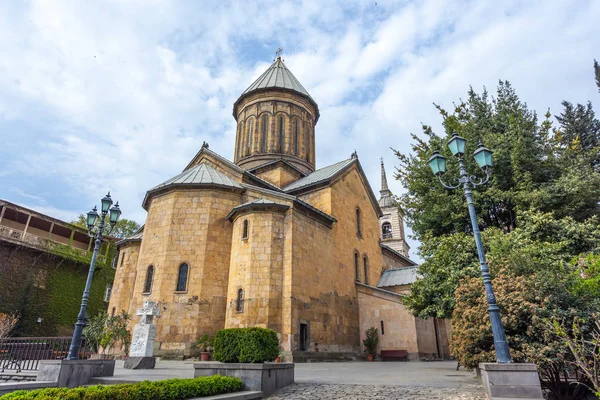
276,120
391,224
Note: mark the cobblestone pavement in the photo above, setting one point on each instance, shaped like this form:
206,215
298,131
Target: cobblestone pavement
309,391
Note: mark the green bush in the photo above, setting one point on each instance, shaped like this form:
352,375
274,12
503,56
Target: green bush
246,345
171,389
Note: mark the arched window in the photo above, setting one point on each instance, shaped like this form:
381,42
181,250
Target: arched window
356,267
249,136
239,303
386,230
114,310
281,134
149,277
245,230
366,268
182,278
307,138
264,135
122,259
358,231
382,328
296,139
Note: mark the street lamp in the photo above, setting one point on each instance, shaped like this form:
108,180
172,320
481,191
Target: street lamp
483,157
96,232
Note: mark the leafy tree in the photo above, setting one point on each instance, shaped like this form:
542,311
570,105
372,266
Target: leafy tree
527,302
122,229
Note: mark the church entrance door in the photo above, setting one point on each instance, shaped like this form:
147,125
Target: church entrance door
303,345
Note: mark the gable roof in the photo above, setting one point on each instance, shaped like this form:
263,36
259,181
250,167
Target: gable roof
397,254
398,276
324,176
319,176
275,162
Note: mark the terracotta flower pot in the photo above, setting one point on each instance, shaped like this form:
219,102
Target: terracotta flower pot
278,359
205,356
369,357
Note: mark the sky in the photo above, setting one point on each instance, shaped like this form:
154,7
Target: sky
120,95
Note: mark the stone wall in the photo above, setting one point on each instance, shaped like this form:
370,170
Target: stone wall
256,268
186,226
125,277
399,328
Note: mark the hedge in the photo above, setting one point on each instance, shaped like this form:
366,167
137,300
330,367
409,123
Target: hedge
171,389
246,345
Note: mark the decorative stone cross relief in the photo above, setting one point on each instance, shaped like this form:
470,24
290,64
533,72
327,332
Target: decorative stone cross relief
142,342
148,312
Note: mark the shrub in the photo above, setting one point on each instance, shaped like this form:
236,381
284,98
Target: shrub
170,389
247,345
258,345
204,342
371,340
7,324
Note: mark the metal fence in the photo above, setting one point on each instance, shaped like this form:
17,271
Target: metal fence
24,353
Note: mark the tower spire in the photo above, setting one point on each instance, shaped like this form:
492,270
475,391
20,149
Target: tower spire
385,191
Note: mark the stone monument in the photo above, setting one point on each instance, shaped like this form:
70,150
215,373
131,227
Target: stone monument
142,342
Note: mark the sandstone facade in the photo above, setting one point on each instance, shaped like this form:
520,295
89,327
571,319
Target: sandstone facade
268,241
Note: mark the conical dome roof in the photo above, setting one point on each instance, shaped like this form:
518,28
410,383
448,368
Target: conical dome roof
278,76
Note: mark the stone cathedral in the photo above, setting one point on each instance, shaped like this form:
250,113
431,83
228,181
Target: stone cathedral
269,240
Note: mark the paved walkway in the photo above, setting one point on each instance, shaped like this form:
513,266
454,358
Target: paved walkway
350,380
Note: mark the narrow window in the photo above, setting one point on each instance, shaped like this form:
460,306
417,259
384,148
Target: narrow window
264,135
366,270
240,146
182,278
112,313
107,292
358,231
296,139
356,268
281,134
245,230
386,230
148,282
113,265
382,328
239,304
249,136
122,259
307,138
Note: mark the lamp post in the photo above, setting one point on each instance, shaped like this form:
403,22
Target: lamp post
483,156
96,232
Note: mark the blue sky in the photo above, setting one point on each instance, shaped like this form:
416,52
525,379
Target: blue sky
115,95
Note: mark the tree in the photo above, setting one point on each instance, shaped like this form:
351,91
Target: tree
528,303
123,228
579,131
597,73
536,191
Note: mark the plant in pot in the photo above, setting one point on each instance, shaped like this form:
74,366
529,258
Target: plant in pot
203,343
370,342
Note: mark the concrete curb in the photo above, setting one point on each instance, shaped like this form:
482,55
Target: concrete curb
6,388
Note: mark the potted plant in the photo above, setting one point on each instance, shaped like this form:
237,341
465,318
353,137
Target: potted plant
370,342
203,343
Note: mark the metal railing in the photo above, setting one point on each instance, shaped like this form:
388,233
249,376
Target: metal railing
25,353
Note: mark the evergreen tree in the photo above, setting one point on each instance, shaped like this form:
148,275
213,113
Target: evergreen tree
579,131
597,73
536,181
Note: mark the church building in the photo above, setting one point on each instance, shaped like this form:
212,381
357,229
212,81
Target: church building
269,240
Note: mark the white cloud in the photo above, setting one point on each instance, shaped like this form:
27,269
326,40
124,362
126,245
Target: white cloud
124,93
